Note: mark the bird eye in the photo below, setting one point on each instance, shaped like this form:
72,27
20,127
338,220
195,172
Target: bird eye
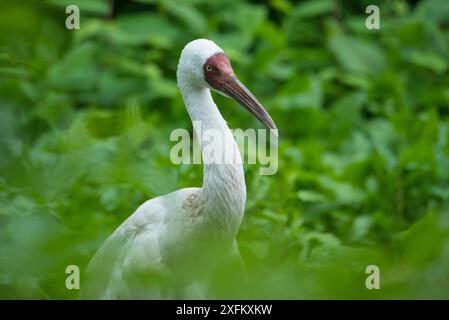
209,68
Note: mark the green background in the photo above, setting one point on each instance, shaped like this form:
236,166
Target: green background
85,119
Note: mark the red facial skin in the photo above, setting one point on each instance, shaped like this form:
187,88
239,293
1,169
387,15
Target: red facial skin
218,71
219,75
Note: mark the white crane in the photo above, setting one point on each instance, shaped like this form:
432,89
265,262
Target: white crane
169,246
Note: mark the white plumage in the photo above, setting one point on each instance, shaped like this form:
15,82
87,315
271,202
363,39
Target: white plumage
169,245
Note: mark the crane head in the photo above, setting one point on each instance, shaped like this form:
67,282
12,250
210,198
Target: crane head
204,64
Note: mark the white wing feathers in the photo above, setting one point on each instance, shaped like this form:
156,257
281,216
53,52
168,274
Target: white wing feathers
134,253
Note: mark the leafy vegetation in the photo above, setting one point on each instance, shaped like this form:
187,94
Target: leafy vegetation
85,119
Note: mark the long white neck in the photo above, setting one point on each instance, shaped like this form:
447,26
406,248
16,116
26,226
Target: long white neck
224,190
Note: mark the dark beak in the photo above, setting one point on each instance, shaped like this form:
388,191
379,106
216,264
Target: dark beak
236,90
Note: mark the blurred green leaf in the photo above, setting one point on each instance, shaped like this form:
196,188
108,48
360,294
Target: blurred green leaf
356,55
309,9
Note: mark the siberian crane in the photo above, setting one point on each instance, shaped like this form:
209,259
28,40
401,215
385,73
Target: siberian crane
168,247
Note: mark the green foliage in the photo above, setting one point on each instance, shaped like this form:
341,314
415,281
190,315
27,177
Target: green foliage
85,118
